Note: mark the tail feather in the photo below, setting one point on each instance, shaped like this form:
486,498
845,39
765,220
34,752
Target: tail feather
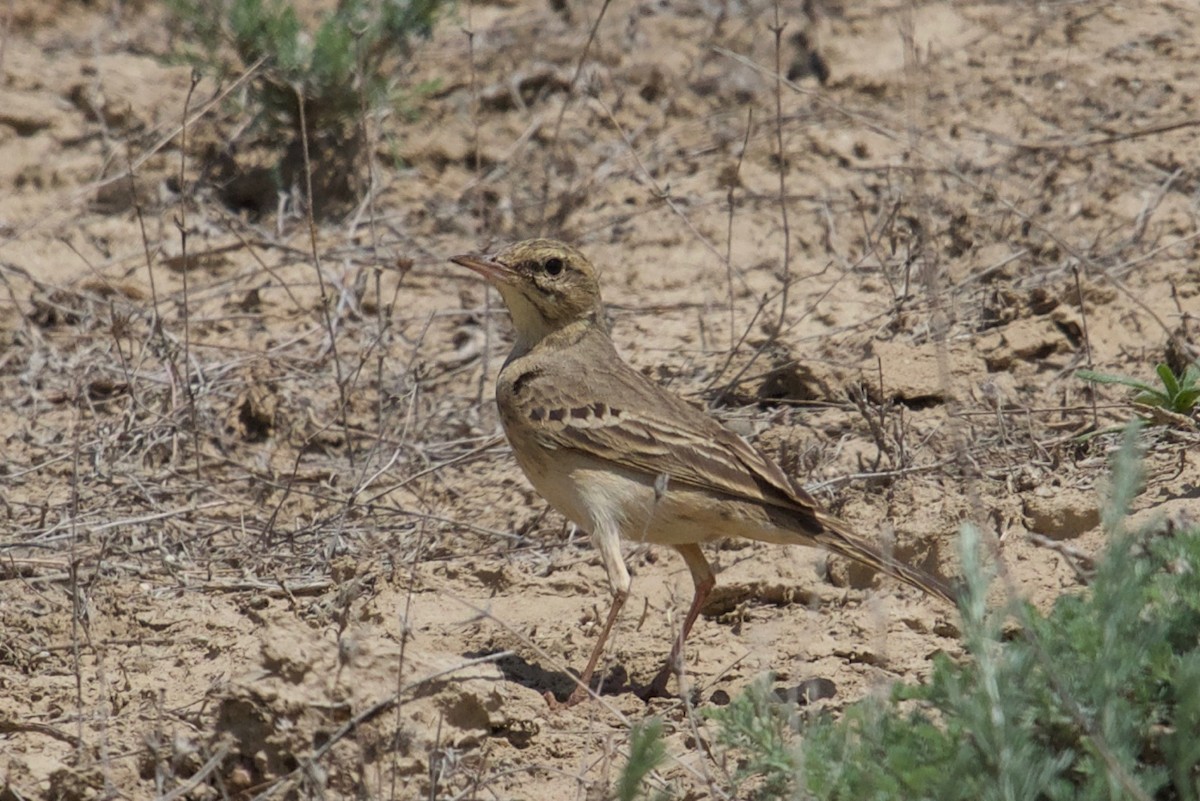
839,538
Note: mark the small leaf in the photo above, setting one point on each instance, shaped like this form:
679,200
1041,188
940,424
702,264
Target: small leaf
1105,378
1152,398
1186,400
1169,380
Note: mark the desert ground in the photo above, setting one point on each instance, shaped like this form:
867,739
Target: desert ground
260,533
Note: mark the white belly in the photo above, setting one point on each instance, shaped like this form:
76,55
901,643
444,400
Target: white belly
600,496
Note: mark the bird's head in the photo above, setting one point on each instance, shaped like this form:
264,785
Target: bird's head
547,286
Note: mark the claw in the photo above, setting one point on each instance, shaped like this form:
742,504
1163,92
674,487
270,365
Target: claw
658,687
577,697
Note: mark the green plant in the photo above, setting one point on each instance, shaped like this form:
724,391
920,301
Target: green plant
646,752
1098,699
319,75
757,728
1178,394
1086,704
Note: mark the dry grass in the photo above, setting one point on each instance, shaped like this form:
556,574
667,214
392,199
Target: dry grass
261,536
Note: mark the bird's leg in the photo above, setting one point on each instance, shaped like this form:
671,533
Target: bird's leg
580,692
704,581
608,542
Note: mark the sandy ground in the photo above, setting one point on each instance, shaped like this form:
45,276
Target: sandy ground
259,531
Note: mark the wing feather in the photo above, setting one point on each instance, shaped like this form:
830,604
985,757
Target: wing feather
654,432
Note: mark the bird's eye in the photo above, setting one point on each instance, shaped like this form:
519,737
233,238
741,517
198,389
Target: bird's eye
553,266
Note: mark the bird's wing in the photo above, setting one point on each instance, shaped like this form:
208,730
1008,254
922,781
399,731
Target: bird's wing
657,433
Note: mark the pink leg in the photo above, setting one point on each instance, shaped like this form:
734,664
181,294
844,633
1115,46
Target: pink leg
704,581
585,681
607,540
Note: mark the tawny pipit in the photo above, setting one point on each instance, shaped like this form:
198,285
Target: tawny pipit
620,456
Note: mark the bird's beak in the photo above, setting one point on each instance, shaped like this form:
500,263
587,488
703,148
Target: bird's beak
492,270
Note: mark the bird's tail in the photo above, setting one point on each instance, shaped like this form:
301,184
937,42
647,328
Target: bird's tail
838,537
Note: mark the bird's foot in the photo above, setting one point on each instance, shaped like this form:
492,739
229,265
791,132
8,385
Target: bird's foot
579,695
658,687
614,681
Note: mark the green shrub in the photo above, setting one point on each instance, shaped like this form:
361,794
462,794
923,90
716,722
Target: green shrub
341,64
1099,699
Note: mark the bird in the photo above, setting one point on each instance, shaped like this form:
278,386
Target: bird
624,458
